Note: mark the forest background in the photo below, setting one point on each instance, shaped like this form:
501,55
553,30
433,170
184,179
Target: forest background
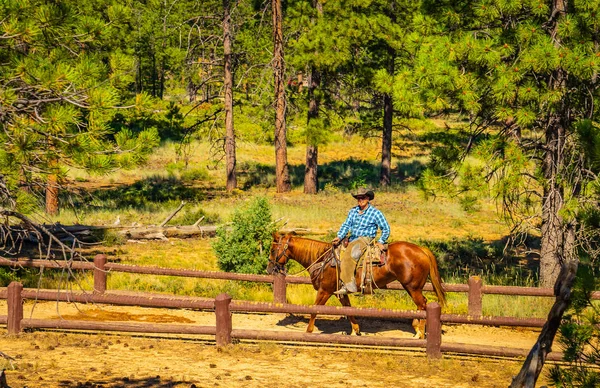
500,95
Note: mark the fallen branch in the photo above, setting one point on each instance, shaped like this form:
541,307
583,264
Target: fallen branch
173,214
159,233
198,222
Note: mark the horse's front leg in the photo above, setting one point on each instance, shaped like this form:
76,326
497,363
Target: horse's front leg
345,301
322,298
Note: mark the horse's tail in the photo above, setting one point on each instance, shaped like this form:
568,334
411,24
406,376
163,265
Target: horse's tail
436,280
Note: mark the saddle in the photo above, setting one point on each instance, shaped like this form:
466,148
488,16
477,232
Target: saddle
372,257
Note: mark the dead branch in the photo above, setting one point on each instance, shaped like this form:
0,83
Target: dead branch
173,214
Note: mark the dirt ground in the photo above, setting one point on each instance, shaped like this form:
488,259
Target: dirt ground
69,359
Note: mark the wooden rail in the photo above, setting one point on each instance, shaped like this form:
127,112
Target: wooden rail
223,306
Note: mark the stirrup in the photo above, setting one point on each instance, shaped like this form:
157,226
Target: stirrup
342,291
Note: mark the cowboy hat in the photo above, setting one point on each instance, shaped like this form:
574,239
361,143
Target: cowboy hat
364,192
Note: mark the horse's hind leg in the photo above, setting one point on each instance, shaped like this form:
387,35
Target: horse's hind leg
345,301
421,302
322,298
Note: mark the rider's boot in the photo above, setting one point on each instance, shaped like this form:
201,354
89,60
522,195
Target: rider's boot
349,288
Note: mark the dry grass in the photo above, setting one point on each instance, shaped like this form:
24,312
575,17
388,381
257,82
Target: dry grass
411,216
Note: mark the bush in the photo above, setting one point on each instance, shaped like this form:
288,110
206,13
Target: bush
244,247
7,276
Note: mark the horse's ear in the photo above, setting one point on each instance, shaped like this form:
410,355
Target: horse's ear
276,235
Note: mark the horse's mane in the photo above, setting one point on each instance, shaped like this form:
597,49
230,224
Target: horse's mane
310,250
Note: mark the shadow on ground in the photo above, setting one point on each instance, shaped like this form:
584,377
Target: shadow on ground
144,382
343,175
142,194
341,325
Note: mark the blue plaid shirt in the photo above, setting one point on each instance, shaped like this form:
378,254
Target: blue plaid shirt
365,224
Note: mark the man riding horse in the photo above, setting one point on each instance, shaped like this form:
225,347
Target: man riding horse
362,223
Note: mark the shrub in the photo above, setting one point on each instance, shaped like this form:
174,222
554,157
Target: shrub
195,174
244,247
7,276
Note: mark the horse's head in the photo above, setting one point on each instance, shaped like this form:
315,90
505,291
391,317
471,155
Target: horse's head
279,254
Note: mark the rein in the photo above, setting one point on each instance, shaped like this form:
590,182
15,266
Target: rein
315,262
283,253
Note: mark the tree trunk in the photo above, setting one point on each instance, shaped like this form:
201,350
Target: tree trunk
163,46
228,85
52,194
154,75
385,176
534,362
558,257
552,239
311,183
282,174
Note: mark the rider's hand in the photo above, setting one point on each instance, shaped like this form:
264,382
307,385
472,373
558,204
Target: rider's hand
381,246
336,241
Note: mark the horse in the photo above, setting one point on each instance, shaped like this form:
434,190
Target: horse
408,263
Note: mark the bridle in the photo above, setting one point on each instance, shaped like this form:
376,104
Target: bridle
279,266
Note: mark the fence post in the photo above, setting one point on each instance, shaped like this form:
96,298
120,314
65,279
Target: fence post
15,308
475,296
433,312
279,288
223,315
100,274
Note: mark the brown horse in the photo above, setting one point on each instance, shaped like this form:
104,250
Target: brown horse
408,263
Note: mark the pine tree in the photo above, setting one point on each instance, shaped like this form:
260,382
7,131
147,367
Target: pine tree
57,98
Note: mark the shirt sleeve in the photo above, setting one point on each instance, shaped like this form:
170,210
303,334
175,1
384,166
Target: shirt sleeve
384,226
345,228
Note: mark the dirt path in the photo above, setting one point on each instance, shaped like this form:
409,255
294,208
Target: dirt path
53,359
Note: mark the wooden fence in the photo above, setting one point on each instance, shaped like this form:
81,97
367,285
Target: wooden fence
224,333
102,268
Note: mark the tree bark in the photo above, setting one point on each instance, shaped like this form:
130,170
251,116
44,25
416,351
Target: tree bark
52,206
552,203
311,182
385,176
282,174
228,86
552,239
52,194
